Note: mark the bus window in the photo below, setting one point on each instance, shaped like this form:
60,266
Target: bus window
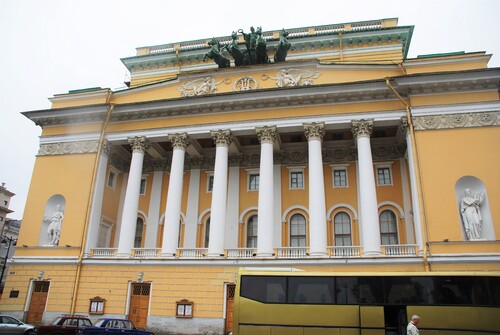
346,290
371,290
495,290
310,290
267,289
453,290
400,290
424,288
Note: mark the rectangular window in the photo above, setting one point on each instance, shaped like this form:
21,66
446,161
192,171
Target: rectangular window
253,182
142,190
339,178
96,306
296,180
210,183
111,179
384,176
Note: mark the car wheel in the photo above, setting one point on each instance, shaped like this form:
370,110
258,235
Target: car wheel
30,332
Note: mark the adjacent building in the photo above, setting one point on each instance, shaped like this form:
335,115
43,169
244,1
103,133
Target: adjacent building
346,156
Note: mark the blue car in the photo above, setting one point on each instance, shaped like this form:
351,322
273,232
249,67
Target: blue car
111,326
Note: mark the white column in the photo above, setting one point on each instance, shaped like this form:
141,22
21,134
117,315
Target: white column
154,206
267,137
222,139
131,203
413,186
233,206
96,209
368,195
277,206
317,207
191,223
174,195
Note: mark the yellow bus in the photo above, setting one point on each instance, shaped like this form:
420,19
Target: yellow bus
293,302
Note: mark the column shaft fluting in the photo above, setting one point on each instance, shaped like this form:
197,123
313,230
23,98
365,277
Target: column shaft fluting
174,195
317,207
131,203
267,137
222,139
368,195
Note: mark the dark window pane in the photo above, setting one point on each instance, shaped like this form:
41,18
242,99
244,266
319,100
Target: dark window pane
400,290
371,290
453,290
346,290
310,290
268,289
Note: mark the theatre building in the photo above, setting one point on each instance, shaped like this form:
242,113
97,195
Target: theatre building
330,150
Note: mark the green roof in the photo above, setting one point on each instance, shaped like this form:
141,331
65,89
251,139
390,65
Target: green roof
83,90
442,54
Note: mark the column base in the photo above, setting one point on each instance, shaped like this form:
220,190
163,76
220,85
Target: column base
371,253
167,255
318,254
124,255
265,255
215,255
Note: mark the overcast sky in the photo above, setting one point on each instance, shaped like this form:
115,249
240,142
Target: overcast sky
50,47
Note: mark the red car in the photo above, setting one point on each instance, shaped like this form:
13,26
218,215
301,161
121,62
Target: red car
65,325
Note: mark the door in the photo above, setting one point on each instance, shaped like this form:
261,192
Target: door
38,301
139,304
229,307
395,320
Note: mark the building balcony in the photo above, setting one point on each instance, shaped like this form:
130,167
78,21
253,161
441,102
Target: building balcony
400,250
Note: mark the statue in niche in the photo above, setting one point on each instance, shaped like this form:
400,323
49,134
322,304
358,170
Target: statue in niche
283,47
215,53
471,213
55,224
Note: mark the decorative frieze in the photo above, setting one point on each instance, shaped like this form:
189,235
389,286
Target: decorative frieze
221,137
362,128
462,120
179,141
200,86
245,84
294,77
267,134
139,143
68,148
314,131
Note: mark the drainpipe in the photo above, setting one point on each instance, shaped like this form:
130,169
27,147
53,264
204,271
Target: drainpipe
417,170
89,203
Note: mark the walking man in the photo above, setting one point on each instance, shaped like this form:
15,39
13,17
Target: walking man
412,326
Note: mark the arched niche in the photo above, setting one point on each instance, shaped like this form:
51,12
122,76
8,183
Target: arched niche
53,221
473,204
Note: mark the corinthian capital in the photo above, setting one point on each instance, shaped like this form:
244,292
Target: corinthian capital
139,143
221,137
362,128
179,141
314,131
267,134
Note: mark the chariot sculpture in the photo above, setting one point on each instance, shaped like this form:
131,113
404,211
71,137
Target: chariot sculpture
255,51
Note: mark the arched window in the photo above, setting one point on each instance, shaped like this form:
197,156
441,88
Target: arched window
297,230
388,228
207,232
139,227
252,231
342,229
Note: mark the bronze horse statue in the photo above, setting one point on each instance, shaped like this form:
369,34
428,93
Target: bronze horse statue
216,54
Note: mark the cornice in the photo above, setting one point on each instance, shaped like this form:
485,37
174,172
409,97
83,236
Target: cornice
264,99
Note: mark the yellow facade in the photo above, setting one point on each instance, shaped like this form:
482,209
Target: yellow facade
432,132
